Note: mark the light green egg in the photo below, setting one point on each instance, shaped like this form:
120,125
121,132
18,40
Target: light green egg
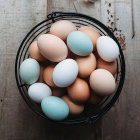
55,108
79,43
29,71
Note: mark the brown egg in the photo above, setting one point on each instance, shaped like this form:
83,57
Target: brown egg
79,91
35,53
102,82
62,28
58,92
94,99
86,65
92,33
52,47
40,79
73,108
47,75
110,66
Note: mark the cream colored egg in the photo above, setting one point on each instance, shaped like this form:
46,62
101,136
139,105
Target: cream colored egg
102,82
62,28
52,47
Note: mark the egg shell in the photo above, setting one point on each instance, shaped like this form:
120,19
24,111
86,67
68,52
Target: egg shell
29,71
65,73
110,66
58,92
92,34
79,91
73,108
55,108
94,99
52,47
62,28
79,43
38,91
86,65
107,48
48,75
102,82
35,53
42,67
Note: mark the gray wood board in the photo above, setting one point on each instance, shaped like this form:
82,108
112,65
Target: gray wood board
18,122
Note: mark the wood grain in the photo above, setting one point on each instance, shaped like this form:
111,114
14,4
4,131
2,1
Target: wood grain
18,122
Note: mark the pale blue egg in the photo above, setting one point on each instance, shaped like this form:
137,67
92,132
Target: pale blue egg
79,43
55,108
29,71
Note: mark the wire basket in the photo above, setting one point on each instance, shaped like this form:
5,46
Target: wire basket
91,112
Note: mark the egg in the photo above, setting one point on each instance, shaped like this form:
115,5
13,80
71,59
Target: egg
86,65
55,108
58,92
52,47
65,73
79,43
29,71
110,66
92,34
38,91
79,91
102,82
62,28
35,53
107,48
48,75
73,108
42,67
94,99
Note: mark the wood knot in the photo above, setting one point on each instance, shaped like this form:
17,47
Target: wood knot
90,1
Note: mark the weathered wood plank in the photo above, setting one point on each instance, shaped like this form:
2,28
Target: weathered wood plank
17,121
121,122
16,19
93,132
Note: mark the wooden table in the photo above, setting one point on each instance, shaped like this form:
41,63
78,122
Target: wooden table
18,122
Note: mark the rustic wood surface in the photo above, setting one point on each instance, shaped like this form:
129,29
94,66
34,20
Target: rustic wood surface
18,122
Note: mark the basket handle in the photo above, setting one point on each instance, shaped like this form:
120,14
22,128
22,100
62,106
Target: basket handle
55,14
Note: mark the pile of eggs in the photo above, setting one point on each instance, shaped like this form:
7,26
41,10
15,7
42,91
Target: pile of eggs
69,67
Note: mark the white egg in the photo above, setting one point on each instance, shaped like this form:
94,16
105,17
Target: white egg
38,91
107,48
65,72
